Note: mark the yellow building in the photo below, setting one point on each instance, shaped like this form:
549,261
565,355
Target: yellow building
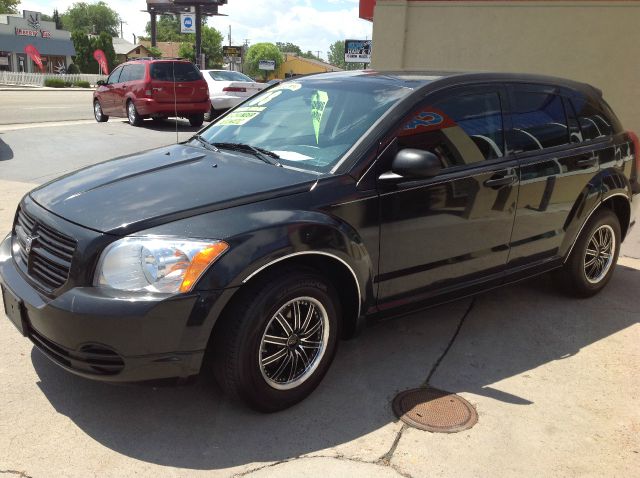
296,65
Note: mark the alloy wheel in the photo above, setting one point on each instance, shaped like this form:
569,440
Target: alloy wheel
599,254
294,343
131,112
97,110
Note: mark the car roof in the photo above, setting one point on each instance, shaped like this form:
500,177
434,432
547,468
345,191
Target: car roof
417,79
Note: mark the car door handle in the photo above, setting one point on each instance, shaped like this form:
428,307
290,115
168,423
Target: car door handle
500,181
587,162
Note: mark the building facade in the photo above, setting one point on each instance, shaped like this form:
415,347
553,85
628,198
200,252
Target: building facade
16,32
294,65
591,40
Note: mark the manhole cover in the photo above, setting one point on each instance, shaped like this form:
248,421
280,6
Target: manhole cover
434,410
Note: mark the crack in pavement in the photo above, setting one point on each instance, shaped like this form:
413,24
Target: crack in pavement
21,474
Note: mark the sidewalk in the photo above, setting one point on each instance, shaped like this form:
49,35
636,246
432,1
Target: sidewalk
39,88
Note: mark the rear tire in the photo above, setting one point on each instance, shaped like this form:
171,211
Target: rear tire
265,356
211,114
594,256
132,114
97,112
196,120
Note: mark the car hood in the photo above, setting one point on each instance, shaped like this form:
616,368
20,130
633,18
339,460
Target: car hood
132,193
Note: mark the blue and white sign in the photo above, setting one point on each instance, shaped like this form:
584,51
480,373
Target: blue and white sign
357,51
187,23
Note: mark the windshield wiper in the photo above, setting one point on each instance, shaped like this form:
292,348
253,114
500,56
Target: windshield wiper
205,143
265,155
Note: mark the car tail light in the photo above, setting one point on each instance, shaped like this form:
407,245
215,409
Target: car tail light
636,148
148,91
234,88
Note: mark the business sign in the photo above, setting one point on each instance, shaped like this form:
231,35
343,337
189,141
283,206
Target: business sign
4,61
187,23
32,33
267,65
357,51
232,51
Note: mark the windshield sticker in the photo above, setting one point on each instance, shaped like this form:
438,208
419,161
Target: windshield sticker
240,116
268,97
288,85
319,102
423,121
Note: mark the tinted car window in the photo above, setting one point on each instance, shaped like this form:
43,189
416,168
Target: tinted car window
538,120
170,70
229,76
575,134
461,129
593,122
114,76
125,75
136,72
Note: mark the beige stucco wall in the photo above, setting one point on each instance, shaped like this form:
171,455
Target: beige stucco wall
593,41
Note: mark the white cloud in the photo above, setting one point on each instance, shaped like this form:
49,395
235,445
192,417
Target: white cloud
311,24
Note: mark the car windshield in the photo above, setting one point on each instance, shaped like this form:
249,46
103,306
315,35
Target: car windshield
309,124
229,76
174,71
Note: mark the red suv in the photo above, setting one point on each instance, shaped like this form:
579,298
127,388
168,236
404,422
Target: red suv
148,88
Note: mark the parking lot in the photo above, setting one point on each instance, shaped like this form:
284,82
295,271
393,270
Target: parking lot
554,380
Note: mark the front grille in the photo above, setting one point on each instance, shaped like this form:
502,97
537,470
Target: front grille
44,253
91,358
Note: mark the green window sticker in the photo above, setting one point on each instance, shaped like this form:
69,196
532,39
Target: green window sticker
240,116
319,102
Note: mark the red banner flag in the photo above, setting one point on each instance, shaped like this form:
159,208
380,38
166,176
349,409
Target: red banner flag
101,58
34,54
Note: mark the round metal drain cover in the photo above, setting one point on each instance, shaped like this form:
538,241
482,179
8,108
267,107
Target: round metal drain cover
434,410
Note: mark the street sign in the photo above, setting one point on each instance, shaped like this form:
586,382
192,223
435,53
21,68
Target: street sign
231,51
357,51
267,65
187,23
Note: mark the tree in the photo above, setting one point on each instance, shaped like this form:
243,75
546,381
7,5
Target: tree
56,18
167,29
261,51
289,48
9,6
155,52
91,18
85,46
336,57
104,42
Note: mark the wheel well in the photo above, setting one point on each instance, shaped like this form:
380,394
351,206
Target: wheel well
620,206
337,273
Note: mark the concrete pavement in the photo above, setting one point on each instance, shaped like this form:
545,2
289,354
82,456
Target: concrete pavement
554,381
20,106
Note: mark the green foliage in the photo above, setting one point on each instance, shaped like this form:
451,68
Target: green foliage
308,54
85,46
73,69
9,6
336,57
82,84
289,48
155,52
91,18
56,83
167,29
261,51
56,18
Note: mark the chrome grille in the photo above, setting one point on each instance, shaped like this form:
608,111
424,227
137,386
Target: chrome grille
43,252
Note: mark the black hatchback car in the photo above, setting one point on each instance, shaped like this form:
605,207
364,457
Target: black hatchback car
318,204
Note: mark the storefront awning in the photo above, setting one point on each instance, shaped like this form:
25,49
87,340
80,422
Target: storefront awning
46,46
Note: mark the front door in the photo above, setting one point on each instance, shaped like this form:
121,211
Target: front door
440,233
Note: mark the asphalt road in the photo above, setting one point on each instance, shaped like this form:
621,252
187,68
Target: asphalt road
36,106
554,379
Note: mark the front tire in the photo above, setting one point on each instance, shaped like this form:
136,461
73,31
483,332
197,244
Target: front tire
196,120
278,339
132,114
97,112
594,256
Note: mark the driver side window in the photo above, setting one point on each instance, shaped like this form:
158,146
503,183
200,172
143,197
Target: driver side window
114,76
460,129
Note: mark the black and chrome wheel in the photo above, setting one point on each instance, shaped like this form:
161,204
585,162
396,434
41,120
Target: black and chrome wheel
211,114
277,340
132,114
97,112
593,258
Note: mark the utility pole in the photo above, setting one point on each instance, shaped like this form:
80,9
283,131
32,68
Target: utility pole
231,58
121,31
198,35
318,54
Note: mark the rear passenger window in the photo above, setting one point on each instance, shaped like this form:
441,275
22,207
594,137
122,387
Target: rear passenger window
136,72
460,129
538,121
593,122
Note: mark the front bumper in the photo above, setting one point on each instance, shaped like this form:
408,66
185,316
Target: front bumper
111,335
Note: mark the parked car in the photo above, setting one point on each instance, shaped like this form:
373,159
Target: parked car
228,89
150,88
248,251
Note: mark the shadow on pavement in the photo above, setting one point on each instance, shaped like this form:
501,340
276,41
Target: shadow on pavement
6,153
508,332
170,125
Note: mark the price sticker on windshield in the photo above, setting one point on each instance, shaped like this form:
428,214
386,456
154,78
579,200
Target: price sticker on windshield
319,102
240,116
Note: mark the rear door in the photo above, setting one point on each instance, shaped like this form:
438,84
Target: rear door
441,233
188,87
556,167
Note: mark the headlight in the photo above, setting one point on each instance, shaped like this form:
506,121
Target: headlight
156,264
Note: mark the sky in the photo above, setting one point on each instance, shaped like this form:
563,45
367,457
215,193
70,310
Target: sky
311,24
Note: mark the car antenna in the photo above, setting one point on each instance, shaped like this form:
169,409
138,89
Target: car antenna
175,100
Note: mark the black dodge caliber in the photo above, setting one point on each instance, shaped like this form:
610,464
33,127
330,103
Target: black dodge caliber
249,250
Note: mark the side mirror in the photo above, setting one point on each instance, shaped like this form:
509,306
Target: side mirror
101,82
416,163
